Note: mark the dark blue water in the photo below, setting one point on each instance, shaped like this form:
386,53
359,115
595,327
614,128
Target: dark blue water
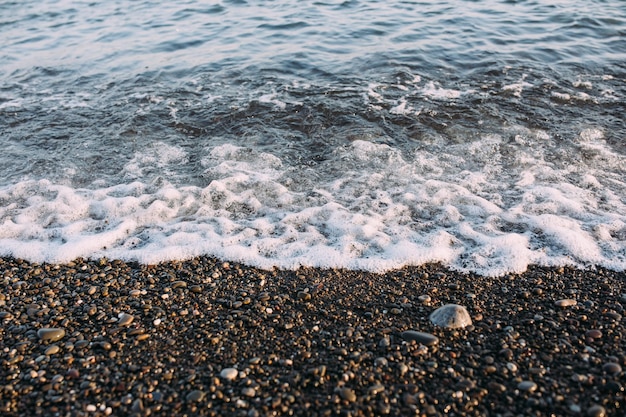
366,134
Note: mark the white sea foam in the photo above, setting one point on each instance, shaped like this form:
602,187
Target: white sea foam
371,207
435,91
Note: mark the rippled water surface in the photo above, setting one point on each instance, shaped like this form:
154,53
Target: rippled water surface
487,135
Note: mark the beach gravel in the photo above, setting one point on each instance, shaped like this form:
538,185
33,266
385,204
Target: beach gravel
211,338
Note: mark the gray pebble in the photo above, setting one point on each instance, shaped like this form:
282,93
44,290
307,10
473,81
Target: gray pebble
51,334
451,316
195,396
596,411
248,392
527,386
612,368
420,337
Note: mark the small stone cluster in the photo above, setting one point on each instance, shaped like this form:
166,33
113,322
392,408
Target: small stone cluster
208,338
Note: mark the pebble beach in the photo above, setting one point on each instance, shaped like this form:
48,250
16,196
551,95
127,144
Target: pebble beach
209,338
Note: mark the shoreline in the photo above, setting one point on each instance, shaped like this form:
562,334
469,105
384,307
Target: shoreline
162,339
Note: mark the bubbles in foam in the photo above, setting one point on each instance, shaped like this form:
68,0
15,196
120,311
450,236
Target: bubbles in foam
369,206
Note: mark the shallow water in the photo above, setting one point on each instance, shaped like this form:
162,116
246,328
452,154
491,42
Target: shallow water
362,134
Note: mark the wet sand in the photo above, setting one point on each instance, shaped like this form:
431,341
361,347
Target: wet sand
204,337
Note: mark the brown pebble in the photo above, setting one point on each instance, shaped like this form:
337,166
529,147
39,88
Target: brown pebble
593,334
376,389
496,387
179,284
348,394
52,350
125,319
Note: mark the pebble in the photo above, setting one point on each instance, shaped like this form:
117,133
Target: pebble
73,373
52,350
496,387
381,362
424,299
596,411
376,389
451,316
229,373
137,406
248,392
594,334
195,396
125,319
420,337
348,394
179,284
51,334
527,386
612,368
566,302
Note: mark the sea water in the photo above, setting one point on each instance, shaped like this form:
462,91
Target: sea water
485,135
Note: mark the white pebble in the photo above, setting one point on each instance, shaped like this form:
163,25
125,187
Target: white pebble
229,373
91,408
451,316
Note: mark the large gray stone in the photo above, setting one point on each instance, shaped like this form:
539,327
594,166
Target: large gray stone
451,316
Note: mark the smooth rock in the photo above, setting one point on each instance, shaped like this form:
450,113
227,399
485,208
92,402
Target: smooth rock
420,337
451,316
52,350
348,394
566,302
612,368
194,396
229,373
594,334
51,334
424,299
125,319
527,386
248,392
596,411
376,389
137,406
